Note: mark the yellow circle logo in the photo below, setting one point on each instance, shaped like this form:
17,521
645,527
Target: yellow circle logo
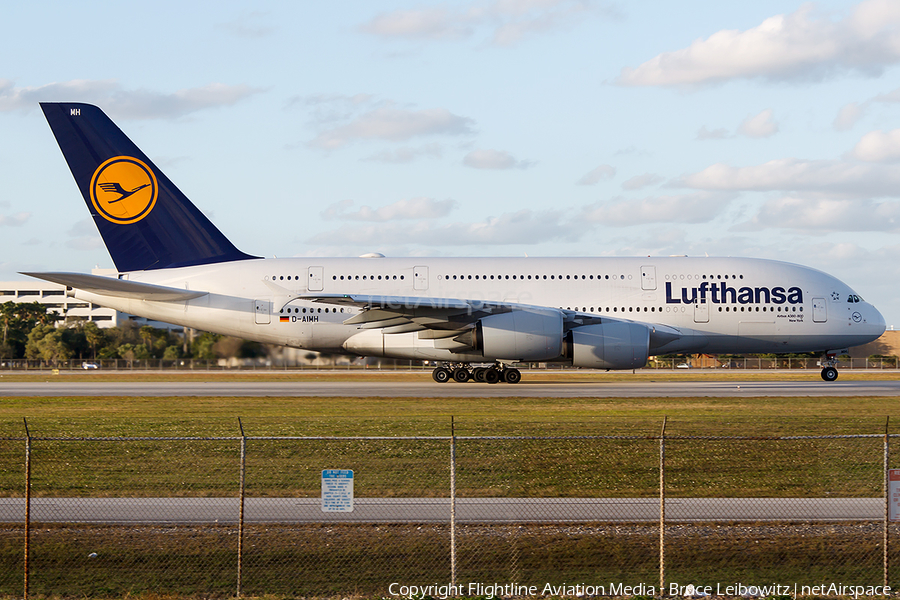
123,190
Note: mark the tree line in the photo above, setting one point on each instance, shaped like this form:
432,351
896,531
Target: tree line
29,330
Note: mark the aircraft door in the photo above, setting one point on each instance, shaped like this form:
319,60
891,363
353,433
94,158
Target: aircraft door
263,311
316,276
420,278
701,311
820,310
648,278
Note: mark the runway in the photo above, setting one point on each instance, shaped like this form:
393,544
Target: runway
437,510
428,389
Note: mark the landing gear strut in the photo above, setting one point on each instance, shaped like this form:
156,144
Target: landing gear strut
829,370
464,372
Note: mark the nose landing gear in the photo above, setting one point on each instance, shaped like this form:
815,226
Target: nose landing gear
829,373
829,367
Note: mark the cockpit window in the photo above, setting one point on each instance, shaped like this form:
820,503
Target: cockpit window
853,298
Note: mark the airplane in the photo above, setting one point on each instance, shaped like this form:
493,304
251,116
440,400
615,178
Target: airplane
474,317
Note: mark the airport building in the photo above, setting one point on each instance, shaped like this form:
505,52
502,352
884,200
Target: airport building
887,345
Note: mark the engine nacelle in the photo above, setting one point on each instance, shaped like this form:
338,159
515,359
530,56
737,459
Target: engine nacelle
612,345
521,335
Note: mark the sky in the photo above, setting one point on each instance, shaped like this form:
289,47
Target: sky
768,129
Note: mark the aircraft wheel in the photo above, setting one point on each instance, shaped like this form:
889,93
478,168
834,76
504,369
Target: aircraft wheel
478,374
441,375
492,376
829,373
512,376
461,375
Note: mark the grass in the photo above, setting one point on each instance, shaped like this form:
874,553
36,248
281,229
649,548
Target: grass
363,560
418,468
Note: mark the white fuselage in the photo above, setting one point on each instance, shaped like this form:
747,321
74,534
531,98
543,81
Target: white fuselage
726,305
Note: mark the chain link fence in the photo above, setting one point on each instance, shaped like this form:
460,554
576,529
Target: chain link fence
628,508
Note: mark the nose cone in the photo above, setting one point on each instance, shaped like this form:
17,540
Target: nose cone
876,322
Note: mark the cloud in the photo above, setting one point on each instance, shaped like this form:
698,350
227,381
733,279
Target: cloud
879,146
522,227
848,116
126,104
715,134
83,228
851,113
394,124
327,109
686,208
641,181
822,215
520,19
759,126
597,175
27,98
407,154
16,220
755,126
799,46
833,177
85,243
494,159
426,23
83,235
891,97
414,208
246,26
506,22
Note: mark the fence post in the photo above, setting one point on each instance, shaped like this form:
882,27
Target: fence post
240,552
887,498
452,504
662,509
27,501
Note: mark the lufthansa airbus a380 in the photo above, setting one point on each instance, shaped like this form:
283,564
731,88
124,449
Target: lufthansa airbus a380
603,313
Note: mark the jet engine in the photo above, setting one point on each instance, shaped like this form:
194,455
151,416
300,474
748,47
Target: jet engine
611,345
520,335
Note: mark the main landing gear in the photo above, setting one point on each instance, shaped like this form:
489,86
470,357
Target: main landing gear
829,370
464,372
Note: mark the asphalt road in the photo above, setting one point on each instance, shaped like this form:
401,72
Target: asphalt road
429,389
437,510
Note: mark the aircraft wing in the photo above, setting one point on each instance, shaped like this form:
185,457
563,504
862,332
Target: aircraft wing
119,288
398,314
448,316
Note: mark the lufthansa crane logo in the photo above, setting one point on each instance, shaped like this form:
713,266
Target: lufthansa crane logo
123,190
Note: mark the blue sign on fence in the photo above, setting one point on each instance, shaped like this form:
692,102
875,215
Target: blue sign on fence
337,490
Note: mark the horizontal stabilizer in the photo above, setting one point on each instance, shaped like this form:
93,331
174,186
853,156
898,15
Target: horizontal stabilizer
119,288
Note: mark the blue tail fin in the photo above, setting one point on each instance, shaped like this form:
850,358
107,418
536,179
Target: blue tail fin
145,221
